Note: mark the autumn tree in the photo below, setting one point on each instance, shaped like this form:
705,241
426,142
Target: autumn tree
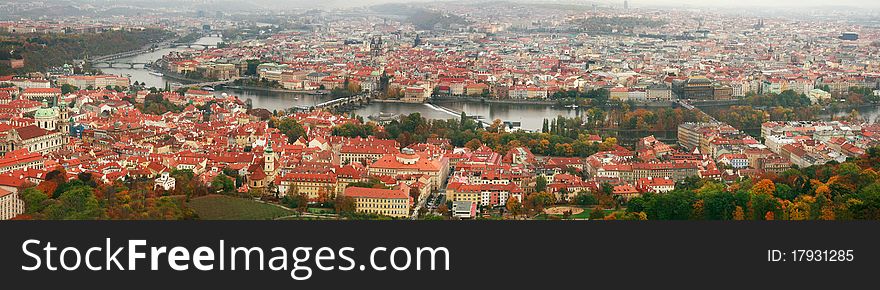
738,214
473,144
765,186
514,206
608,144
443,209
344,205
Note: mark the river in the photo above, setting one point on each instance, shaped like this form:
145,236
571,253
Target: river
143,75
530,116
871,114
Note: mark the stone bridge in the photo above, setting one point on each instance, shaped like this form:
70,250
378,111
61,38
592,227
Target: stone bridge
357,100
110,64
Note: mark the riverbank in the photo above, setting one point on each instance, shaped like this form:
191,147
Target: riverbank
277,90
445,99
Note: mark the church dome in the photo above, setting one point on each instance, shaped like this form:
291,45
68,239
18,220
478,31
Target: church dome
44,113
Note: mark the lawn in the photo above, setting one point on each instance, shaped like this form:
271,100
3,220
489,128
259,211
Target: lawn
221,207
583,215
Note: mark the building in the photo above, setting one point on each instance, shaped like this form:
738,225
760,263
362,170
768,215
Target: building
484,194
389,202
43,95
32,138
366,150
659,92
698,87
165,182
722,92
98,81
317,186
263,172
415,94
408,162
655,185
851,36
21,159
10,204
464,209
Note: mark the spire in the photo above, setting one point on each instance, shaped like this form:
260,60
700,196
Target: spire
268,148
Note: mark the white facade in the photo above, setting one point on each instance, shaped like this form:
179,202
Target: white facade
165,182
10,205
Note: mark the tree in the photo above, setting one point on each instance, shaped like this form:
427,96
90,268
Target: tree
443,209
540,183
344,205
597,213
223,184
536,201
608,144
765,186
738,214
473,144
78,203
513,206
67,88
34,200
827,213
290,128
585,199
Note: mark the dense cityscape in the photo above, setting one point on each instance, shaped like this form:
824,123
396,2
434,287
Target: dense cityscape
607,110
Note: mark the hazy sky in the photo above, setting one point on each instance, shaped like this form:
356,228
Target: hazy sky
872,4
633,3
774,3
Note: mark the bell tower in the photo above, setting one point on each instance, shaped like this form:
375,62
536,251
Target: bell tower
269,159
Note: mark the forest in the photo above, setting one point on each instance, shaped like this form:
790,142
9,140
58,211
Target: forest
846,191
43,51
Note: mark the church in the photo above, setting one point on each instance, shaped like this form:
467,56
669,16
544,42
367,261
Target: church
48,133
262,173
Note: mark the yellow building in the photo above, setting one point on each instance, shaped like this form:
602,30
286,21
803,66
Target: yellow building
312,184
389,202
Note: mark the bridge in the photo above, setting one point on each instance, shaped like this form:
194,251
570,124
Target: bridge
357,100
110,64
207,84
191,45
150,48
115,56
687,105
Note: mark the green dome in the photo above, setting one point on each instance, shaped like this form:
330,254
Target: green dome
44,113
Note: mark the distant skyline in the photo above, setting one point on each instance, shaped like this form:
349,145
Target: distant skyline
632,3
871,5
755,3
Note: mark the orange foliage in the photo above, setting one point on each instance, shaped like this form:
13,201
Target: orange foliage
48,187
765,186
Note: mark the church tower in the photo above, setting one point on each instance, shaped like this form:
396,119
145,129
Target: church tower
64,120
269,159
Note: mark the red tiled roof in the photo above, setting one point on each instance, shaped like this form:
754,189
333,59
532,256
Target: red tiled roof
31,131
42,90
